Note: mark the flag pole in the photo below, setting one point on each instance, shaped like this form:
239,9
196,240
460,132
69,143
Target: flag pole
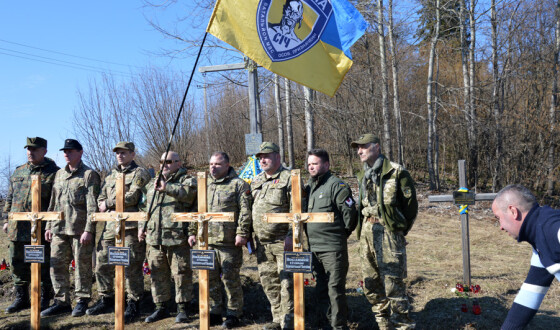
175,126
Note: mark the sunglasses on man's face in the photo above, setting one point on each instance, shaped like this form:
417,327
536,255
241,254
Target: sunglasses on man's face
168,161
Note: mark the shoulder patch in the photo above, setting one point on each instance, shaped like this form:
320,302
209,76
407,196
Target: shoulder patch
342,184
407,192
349,202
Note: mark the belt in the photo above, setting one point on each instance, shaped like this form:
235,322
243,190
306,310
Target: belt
372,219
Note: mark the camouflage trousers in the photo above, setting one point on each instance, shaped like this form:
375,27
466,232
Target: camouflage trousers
277,284
167,263
64,248
21,271
229,260
383,257
134,274
330,270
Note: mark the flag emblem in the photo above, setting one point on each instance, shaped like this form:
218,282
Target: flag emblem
307,41
282,31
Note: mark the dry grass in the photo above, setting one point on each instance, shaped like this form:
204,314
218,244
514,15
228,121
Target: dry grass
498,264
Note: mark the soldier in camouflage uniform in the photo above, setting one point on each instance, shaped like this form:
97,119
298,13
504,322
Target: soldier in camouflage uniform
272,191
19,232
135,179
226,192
388,208
75,192
328,241
167,242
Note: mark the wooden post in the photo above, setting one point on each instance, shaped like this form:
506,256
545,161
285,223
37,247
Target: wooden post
202,217
120,217
298,219
35,216
464,216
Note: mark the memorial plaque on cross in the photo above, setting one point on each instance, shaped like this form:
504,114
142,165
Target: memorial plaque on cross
120,217
36,217
464,198
298,219
202,218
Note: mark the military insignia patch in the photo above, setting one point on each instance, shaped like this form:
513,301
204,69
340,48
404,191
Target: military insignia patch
407,192
288,29
275,181
349,202
342,184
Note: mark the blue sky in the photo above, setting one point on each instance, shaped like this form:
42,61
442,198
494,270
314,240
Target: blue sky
37,98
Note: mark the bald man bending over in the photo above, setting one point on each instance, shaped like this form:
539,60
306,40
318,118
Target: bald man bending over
167,242
524,220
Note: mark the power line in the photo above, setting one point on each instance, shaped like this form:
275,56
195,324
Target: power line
66,54
72,65
62,61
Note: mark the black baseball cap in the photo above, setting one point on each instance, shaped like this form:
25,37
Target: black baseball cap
72,144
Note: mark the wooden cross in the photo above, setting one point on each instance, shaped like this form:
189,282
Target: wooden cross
35,216
298,219
202,218
120,217
464,219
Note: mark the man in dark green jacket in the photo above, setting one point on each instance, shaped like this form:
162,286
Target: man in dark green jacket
388,209
328,241
19,232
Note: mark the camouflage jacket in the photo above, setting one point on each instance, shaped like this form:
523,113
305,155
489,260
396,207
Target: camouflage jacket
396,189
271,195
19,195
228,194
179,196
135,179
328,193
74,193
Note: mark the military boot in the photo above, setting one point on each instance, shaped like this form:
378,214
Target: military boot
132,311
46,296
160,313
56,309
103,306
81,307
231,322
182,316
22,300
215,319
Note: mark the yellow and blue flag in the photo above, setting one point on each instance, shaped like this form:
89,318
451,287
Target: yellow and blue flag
307,41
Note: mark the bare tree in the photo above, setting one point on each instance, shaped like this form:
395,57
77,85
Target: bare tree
496,106
395,70
473,145
384,81
157,100
102,119
430,99
279,117
553,103
6,170
309,123
289,129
